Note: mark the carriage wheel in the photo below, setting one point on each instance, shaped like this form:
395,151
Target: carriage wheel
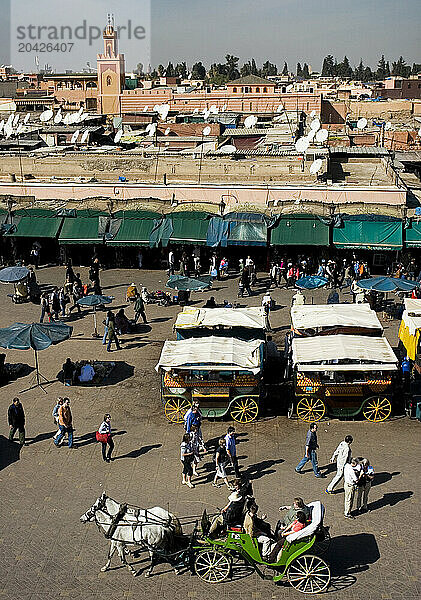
176,408
212,566
310,409
309,574
322,546
244,410
377,409
290,410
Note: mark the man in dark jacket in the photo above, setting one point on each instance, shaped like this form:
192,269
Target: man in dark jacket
16,418
310,451
139,309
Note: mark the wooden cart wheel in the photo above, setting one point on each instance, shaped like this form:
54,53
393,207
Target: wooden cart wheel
309,574
176,408
377,409
212,566
310,409
244,410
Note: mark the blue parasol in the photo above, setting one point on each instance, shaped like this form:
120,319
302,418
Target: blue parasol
311,282
38,336
95,300
13,274
190,284
388,284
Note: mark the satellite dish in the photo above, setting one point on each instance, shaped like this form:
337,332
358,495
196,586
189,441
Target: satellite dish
15,120
10,119
311,134
278,118
196,110
8,129
46,116
118,136
74,118
224,108
27,117
206,131
315,125
19,129
163,111
85,136
146,108
214,109
313,114
156,107
419,132
388,125
83,117
151,128
362,123
206,114
302,144
316,166
250,121
322,135
1,125
66,119
167,131
75,136
280,108
80,111
228,149
290,87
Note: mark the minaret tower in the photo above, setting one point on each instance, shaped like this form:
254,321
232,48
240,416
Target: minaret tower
111,72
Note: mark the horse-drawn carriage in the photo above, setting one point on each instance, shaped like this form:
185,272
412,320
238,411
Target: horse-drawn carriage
299,561
222,373
340,363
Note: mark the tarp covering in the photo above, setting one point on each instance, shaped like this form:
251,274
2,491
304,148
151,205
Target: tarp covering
247,229
190,318
161,232
213,353
135,228
300,229
189,227
360,353
217,232
31,223
369,232
190,284
84,229
312,316
410,327
387,284
413,235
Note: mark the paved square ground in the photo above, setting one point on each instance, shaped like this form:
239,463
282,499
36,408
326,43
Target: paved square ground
47,553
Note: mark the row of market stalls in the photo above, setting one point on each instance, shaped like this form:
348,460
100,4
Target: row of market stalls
137,228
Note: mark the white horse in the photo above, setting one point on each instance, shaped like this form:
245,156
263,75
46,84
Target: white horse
153,529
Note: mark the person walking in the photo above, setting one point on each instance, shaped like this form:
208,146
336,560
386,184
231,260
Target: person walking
55,416
111,332
364,484
139,309
267,303
231,448
342,455
76,294
311,447
55,304
45,307
105,437
63,299
221,461
171,262
187,457
16,419
65,423
350,485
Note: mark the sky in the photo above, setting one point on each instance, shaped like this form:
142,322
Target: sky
207,30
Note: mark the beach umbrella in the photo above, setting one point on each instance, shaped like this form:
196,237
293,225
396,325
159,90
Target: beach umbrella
38,336
388,284
13,274
93,301
311,282
190,284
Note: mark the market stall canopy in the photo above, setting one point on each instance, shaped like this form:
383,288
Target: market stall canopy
300,230
189,227
410,327
135,228
311,282
247,229
13,274
319,316
343,353
95,300
190,318
38,336
213,354
190,284
31,223
369,232
88,227
388,284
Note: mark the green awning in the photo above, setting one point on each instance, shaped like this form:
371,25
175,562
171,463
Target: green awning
84,229
300,230
369,234
413,235
189,227
135,228
36,227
